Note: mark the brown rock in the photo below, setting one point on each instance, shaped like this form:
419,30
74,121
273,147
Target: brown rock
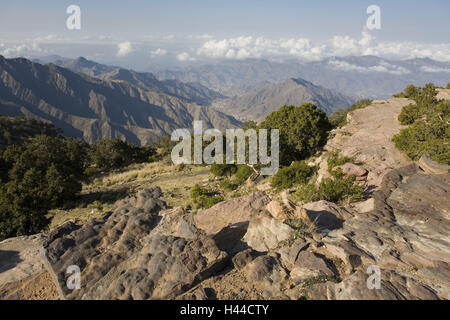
350,168
285,209
230,212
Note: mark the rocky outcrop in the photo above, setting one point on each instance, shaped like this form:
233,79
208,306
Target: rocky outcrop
265,233
406,236
430,166
230,212
368,139
133,253
20,258
285,209
145,250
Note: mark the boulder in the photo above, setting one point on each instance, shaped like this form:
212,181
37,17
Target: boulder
265,233
230,212
285,209
327,215
352,169
267,274
243,258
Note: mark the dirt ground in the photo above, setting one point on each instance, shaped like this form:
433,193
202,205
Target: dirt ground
35,287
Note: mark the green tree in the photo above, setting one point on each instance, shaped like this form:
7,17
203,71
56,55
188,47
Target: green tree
303,130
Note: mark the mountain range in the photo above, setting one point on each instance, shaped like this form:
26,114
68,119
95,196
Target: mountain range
259,104
364,76
139,110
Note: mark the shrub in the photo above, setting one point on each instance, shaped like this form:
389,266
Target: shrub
221,170
297,173
428,131
303,130
335,160
202,198
112,154
228,185
243,172
211,201
448,86
338,189
339,118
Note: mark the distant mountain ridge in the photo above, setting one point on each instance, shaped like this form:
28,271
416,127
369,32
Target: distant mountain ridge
365,76
190,91
259,104
93,108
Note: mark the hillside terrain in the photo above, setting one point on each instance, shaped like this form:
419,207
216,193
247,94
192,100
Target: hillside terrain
191,92
258,105
136,235
94,109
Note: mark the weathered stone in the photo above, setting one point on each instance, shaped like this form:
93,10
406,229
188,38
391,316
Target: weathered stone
253,180
266,270
327,215
426,164
285,209
265,233
312,261
352,169
132,253
230,212
300,274
243,258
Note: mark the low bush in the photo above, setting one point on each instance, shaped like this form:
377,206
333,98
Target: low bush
338,189
201,198
222,170
334,160
428,131
298,172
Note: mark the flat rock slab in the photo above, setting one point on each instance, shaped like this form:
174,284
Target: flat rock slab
20,258
231,212
368,138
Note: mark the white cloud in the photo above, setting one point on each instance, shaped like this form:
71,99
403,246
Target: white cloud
184,56
382,67
158,52
434,69
21,50
124,49
249,47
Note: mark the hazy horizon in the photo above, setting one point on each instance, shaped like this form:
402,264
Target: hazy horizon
145,34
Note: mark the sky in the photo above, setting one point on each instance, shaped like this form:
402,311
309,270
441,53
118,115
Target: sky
141,34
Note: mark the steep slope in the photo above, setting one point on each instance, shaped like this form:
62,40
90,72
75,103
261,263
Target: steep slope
94,109
257,105
191,92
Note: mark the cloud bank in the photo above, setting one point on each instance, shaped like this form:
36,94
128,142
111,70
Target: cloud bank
302,48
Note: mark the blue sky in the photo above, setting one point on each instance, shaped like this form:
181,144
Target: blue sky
178,27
